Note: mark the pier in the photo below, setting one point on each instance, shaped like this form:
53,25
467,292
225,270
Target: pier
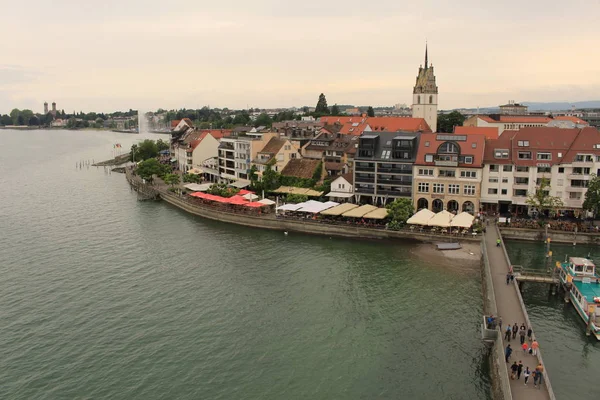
507,302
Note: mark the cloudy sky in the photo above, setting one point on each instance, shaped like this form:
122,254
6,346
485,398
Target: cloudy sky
121,54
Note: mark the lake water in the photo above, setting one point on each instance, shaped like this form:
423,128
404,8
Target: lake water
103,296
571,357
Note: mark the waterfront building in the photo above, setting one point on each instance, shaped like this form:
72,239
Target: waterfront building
182,150
205,150
507,122
342,189
512,108
277,150
516,163
448,172
336,151
425,95
383,166
237,152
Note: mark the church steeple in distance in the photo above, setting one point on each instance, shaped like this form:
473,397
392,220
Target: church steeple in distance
426,63
425,94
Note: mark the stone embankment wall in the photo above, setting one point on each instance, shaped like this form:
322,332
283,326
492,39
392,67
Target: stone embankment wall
269,221
556,236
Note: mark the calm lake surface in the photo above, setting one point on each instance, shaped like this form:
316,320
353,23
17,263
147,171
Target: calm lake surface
572,359
106,297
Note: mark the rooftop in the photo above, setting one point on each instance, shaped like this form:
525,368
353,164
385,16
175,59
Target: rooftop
300,168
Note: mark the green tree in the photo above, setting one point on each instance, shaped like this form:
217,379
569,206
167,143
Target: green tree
48,118
370,112
72,123
296,198
148,168
171,179
14,115
270,178
192,178
399,211
335,110
318,171
33,121
133,153
147,149
263,120
592,196
322,108
20,120
242,118
6,120
162,145
541,199
447,122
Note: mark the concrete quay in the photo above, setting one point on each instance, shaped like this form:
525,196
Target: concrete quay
510,307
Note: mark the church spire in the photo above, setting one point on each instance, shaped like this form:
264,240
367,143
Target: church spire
426,64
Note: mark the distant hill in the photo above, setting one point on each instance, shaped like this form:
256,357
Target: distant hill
557,106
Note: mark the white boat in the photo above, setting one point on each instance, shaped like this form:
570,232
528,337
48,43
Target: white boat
579,274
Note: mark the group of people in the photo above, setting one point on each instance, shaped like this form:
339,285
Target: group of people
555,224
538,373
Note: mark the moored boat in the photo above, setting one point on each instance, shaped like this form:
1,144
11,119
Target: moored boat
580,276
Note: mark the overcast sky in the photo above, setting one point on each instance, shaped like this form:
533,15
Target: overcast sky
121,54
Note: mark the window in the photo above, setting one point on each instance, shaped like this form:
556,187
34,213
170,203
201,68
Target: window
423,171
448,148
574,195
544,170
468,160
504,192
504,180
453,189
501,153
427,144
524,155
544,156
418,99
474,145
507,168
493,180
447,173
494,168
469,190
561,170
522,169
438,188
523,143
287,147
468,174
520,192
521,181
492,191
430,99
429,158
423,187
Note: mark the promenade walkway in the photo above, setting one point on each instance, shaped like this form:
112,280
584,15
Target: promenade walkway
509,308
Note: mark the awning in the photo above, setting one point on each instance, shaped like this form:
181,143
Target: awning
380,213
239,200
254,204
340,195
250,196
421,217
360,211
244,191
443,219
296,190
210,171
194,187
317,206
290,207
339,210
462,220
195,171
267,202
242,183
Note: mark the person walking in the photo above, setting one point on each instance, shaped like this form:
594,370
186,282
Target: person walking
508,333
525,347
498,242
540,374
522,335
535,377
508,278
526,374
500,323
534,347
519,369
507,352
514,368
529,332
515,329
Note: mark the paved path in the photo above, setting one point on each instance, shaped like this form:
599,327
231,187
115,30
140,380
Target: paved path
510,310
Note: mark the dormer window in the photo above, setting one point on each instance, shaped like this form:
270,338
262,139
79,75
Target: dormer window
448,148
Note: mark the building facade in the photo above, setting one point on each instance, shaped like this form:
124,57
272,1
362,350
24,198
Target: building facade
383,166
236,154
278,151
425,95
448,172
512,108
507,122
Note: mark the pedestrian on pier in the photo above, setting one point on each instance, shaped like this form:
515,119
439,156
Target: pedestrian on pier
507,334
534,347
507,352
500,322
498,242
515,329
526,374
514,368
519,369
529,332
523,327
522,336
536,376
525,348
508,278
512,277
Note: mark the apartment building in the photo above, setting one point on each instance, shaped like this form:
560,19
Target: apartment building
507,122
277,150
448,172
335,150
236,154
383,166
516,163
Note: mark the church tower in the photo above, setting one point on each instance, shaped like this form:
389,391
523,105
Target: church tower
425,95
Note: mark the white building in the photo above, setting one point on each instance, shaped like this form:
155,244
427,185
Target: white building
342,189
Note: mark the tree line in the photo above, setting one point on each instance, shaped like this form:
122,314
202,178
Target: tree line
80,119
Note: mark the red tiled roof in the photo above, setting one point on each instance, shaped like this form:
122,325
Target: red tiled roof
189,122
353,128
174,123
429,143
576,120
327,120
515,119
395,124
584,143
490,132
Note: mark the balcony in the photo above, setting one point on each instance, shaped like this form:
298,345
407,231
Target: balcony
578,189
364,169
394,182
578,176
360,190
583,163
440,163
393,193
573,203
